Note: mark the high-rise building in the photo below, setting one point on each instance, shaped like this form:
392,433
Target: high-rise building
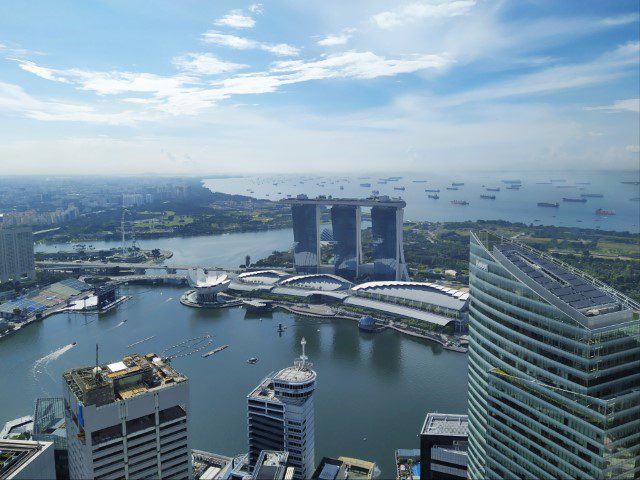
386,230
306,234
49,426
16,253
443,447
26,460
128,419
281,416
345,221
554,368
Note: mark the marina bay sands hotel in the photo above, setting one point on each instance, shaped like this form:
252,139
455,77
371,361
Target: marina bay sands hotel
386,225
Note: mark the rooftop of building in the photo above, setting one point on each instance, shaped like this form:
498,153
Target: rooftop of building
209,466
566,284
446,424
424,292
317,281
343,468
132,376
271,465
15,454
381,200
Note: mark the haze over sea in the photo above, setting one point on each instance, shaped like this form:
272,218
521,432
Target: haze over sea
512,205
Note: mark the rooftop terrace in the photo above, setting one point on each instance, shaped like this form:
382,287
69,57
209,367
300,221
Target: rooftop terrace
133,375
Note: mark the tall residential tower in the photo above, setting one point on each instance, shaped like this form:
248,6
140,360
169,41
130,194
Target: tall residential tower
128,419
16,253
281,416
554,369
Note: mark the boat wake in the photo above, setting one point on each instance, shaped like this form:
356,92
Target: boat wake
40,365
118,325
168,299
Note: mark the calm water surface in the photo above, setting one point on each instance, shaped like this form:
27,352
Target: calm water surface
377,387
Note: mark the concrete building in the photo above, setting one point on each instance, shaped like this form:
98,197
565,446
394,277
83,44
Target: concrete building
443,447
281,416
210,466
128,419
16,254
386,219
344,468
49,426
554,383
272,465
26,460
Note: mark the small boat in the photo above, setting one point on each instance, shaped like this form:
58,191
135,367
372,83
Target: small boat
606,213
488,197
575,200
74,343
548,204
435,196
252,361
459,202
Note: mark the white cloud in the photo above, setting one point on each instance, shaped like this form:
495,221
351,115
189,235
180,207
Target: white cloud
42,72
205,64
241,43
333,40
628,105
256,8
411,12
620,20
236,19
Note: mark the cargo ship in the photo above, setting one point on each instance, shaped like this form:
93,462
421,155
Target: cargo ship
435,196
591,195
489,189
398,188
512,182
627,182
452,188
432,190
606,213
515,186
366,185
457,184
488,197
575,200
459,202
548,204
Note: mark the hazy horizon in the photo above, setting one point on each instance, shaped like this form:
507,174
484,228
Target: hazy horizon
241,88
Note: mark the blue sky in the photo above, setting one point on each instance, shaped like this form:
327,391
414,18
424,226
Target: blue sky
212,87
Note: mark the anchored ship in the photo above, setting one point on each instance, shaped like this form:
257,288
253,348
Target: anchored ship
488,197
548,204
575,200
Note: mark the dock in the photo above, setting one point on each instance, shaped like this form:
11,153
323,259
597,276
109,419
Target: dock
214,351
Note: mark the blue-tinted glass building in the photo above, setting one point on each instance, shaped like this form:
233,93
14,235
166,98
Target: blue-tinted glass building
384,229
345,221
554,369
306,236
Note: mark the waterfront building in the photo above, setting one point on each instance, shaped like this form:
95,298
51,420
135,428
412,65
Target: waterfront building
386,218
26,460
344,468
49,426
281,416
272,465
443,447
554,377
206,287
127,419
16,254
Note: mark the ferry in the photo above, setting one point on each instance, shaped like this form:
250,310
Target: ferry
488,197
591,195
489,189
575,200
435,196
548,204
459,202
432,190
606,213
398,188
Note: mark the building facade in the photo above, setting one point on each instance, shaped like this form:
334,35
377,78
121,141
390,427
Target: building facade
554,369
281,416
128,419
26,460
16,254
306,235
345,222
443,447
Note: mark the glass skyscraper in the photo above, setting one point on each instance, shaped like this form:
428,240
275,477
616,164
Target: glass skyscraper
306,237
385,242
345,220
554,369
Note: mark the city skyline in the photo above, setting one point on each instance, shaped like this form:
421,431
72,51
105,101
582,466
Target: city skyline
242,87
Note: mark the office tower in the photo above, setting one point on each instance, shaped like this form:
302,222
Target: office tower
345,220
306,236
16,253
443,447
128,419
49,426
281,416
26,460
554,368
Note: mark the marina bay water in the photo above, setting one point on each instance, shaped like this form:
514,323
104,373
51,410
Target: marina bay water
509,204
373,389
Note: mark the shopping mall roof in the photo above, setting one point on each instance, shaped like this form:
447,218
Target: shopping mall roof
424,292
398,310
317,281
266,277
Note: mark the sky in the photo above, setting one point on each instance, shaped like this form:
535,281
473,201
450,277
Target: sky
295,86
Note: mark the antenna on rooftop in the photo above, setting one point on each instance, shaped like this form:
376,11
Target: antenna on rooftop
303,357
95,370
